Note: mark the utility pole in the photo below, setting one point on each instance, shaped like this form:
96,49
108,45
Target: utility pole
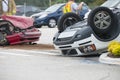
50,2
25,8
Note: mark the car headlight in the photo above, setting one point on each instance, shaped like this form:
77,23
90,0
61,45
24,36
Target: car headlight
44,15
87,48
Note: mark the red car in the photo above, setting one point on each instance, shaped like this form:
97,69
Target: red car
16,30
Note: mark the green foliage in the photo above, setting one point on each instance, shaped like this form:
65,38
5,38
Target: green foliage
98,2
45,3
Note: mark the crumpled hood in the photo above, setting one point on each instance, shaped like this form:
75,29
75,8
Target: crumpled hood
19,21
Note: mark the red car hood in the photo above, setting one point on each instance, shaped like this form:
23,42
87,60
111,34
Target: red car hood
19,21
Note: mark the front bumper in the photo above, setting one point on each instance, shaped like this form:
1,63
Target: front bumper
82,47
87,46
24,37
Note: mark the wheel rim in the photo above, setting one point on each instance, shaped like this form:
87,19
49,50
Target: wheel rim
102,20
52,22
69,21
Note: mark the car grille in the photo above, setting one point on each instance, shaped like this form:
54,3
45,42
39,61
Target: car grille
64,39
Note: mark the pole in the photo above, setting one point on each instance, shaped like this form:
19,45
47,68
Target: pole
49,2
24,8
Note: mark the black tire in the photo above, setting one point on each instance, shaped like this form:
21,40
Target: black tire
3,40
67,20
102,20
52,23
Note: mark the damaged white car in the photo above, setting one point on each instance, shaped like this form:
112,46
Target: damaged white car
91,36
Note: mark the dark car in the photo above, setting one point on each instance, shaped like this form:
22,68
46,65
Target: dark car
27,10
48,17
17,30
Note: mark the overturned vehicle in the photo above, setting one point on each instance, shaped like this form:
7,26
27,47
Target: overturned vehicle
91,36
17,30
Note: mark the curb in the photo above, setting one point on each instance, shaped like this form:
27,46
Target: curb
108,60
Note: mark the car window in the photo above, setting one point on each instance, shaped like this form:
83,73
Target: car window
28,8
35,9
53,8
20,9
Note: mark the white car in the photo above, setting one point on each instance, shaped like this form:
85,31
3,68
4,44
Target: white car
90,36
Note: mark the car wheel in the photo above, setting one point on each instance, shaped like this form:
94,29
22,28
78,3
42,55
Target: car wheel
52,23
67,20
101,20
3,40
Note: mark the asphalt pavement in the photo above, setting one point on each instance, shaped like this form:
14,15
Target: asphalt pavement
47,35
34,65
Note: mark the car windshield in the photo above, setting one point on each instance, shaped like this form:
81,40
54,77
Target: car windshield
111,3
27,8
53,8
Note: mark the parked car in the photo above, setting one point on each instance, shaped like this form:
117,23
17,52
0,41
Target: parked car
48,17
17,30
51,15
27,10
90,36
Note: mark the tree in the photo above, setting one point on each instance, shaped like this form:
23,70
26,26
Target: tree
45,3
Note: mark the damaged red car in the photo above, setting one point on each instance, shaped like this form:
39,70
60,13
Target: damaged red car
16,30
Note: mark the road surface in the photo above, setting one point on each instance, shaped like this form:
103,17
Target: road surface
40,65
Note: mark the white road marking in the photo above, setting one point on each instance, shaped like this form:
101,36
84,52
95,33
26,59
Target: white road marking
14,54
19,52
35,51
